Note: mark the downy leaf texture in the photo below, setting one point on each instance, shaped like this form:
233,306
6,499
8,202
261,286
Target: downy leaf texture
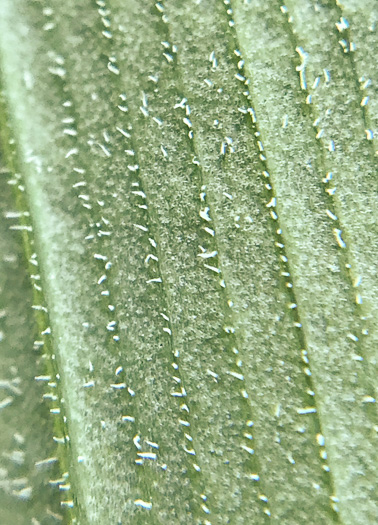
188,266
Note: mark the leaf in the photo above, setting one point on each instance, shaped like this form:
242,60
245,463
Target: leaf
26,430
201,184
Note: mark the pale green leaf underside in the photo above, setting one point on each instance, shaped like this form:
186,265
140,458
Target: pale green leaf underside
26,435
201,181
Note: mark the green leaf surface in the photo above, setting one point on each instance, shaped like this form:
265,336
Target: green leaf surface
28,452
201,195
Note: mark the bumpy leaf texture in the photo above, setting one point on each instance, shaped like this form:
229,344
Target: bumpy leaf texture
188,262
